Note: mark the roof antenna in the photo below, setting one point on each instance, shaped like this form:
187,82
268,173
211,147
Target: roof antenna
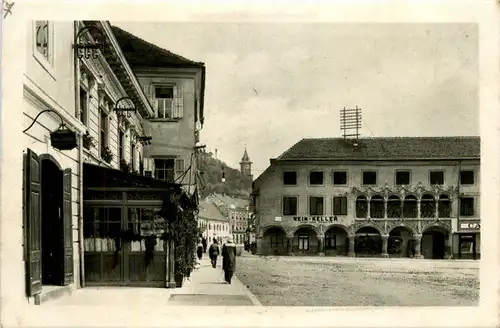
350,123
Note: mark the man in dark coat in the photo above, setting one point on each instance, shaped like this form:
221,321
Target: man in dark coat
204,243
213,252
229,259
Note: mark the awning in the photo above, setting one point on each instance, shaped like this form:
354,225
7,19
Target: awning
96,176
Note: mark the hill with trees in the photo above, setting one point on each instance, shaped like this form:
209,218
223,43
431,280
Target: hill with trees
210,176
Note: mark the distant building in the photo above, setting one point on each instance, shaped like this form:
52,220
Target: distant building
212,222
389,197
238,213
246,170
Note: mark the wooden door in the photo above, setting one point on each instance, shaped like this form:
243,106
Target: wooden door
67,229
32,222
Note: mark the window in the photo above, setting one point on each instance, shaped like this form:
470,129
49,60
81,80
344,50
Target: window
340,178
316,205
104,131
43,39
330,241
369,178
289,205
289,178
164,169
164,101
141,164
148,174
179,167
403,178
467,206
120,144
303,242
467,177
316,178
339,205
436,178
84,103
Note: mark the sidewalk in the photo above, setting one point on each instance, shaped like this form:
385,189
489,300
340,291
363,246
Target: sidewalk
207,287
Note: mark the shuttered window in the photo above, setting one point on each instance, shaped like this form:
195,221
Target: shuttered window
339,205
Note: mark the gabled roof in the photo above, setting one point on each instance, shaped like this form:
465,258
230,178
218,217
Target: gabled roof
228,201
391,148
210,211
245,158
142,53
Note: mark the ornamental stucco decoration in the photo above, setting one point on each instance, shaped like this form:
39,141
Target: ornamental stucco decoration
410,225
444,224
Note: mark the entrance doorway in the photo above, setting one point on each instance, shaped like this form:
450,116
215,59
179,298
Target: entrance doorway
434,243
52,224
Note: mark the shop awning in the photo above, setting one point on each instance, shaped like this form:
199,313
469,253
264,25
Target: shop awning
96,176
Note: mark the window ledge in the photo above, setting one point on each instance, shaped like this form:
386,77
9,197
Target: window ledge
165,119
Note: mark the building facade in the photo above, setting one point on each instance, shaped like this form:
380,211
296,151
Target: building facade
212,222
389,197
175,87
79,85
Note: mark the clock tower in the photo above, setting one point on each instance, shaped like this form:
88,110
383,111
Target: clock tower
246,165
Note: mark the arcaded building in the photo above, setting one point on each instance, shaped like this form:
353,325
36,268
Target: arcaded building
389,197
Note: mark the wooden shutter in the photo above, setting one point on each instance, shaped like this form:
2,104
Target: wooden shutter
68,229
178,101
33,222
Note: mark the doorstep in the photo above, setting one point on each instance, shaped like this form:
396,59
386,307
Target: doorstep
52,293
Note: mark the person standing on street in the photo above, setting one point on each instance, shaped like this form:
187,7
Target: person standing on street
204,243
229,259
213,252
199,250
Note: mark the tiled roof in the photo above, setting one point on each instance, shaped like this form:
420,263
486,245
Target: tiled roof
396,148
227,200
142,53
210,211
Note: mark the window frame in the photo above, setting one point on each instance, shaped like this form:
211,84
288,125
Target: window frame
473,177
309,205
346,177
363,177
346,206
103,125
437,171
289,171
46,62
316,184
396,177
296,205
473,206
84,88
165,171
121,145
303,238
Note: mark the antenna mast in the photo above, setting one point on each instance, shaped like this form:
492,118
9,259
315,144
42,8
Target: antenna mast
350,122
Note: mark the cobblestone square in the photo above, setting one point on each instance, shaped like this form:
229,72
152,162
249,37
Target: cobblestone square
324,281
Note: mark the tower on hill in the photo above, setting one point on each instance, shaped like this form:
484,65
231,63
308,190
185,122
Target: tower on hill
246,165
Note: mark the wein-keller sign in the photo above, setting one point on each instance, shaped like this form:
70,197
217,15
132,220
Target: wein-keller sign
315,218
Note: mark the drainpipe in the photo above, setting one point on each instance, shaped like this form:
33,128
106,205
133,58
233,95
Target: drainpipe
81,243
459,205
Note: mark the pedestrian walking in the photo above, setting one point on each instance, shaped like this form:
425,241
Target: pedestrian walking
204,243
199,250
228,259
213,252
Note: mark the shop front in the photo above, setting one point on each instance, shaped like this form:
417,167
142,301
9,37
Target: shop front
125,237
469,243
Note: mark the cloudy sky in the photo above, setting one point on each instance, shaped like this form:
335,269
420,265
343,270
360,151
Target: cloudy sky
270,85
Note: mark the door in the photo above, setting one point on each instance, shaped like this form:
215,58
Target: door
68,277
32,209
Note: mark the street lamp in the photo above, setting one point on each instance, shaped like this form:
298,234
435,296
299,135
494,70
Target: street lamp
223,175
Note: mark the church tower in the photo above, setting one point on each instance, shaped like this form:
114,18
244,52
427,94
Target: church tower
246,165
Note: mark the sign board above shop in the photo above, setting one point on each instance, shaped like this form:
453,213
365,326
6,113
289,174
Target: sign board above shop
317,219
470,226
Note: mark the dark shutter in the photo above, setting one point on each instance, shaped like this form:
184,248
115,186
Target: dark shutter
339,205
33,224
68,229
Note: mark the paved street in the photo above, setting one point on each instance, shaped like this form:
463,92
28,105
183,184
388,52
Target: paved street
328,281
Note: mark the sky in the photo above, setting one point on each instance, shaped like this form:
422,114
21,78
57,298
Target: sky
268,85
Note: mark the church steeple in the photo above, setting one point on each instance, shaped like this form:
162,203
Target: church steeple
246,164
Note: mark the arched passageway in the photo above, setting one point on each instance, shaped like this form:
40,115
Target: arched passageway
274,242
305,242
401,243
434,243
367,242
336,241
